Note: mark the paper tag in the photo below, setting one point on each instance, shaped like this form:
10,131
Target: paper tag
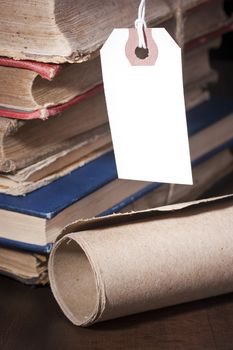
146,110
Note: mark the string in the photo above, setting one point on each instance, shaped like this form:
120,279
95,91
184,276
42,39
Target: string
140,25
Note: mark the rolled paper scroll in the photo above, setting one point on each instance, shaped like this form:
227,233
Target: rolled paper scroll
114,266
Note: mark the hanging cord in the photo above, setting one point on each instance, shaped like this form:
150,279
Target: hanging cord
140,25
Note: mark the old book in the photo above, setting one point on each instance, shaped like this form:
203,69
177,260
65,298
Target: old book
75,31
23,143
24,136
32,90
205,175
198,74
60,164
33,86
209,127
31,268
90,190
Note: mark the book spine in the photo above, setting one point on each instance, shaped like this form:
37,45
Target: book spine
45,70
50,111
8,243
116,208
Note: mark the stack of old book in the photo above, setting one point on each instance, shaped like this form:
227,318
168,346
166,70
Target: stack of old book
56,159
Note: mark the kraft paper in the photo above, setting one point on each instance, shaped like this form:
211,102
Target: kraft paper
124,264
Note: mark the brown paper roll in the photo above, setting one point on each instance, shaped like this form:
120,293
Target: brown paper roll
168,257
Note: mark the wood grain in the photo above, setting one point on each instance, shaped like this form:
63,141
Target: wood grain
30,319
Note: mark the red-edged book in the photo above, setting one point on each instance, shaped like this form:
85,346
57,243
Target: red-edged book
35,90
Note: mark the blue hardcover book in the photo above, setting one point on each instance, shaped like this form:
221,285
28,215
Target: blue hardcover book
35,220
208,113
79,194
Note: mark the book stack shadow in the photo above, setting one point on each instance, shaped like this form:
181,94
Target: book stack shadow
56,160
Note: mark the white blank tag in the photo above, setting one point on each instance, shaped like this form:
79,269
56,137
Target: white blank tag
146,108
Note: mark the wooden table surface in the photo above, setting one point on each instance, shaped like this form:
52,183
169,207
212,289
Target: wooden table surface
31,319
